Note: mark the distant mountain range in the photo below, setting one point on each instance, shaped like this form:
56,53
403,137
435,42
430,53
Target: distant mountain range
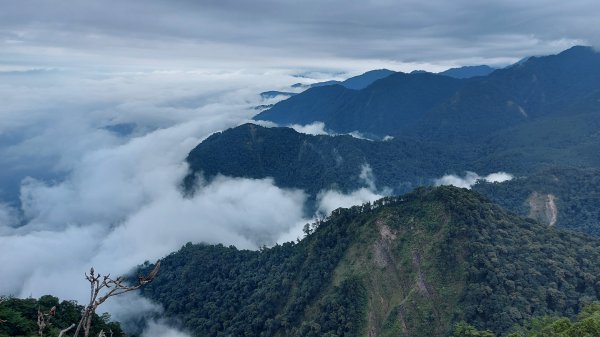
364,80
441,107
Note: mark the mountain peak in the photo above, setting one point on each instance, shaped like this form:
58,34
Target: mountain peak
578,50
468,71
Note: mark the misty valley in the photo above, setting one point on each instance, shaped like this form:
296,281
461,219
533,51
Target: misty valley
462,200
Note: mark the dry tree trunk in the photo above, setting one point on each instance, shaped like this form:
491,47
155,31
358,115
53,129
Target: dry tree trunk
111,287
63,331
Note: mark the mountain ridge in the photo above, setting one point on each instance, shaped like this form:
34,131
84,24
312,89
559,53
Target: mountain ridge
469,109
402,266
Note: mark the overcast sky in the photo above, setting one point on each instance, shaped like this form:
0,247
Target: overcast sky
308,34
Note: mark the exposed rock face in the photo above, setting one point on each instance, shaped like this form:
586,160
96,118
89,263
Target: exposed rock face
542,207
382,248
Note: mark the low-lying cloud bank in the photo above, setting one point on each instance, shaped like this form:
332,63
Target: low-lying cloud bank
113,151
471,178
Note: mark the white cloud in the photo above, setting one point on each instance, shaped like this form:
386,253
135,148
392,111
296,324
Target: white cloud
114,200
316,128
471,178
330,200
158,328
358,135
498,177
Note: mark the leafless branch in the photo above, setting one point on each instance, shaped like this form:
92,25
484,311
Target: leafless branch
110,287
63,331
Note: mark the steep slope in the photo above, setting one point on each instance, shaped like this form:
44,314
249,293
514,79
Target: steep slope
564,197
406,266
541,87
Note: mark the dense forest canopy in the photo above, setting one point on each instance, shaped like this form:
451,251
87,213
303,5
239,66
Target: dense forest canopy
404,266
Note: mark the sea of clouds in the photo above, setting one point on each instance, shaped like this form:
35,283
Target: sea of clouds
91,170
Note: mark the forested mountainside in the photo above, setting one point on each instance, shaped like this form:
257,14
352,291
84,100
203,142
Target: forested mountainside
18,317
313,163
439,107
587,323
564,197
403,266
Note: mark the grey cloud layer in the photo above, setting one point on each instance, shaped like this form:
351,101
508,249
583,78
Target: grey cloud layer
283,33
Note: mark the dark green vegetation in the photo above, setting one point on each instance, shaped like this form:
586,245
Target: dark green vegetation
587,323
567,197
20,317
405,266
313,163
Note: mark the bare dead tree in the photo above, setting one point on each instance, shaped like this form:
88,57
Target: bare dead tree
104,287
65,330
43,319
41,322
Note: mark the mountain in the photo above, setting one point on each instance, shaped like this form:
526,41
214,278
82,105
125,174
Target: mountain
446,109
553,86
397,102
403,266
358,82
541,114
468,71
364,80
313,163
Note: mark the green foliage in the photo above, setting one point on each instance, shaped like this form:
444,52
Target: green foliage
402,266
587,324
463,329
313,163
21,317
577,193
260,293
